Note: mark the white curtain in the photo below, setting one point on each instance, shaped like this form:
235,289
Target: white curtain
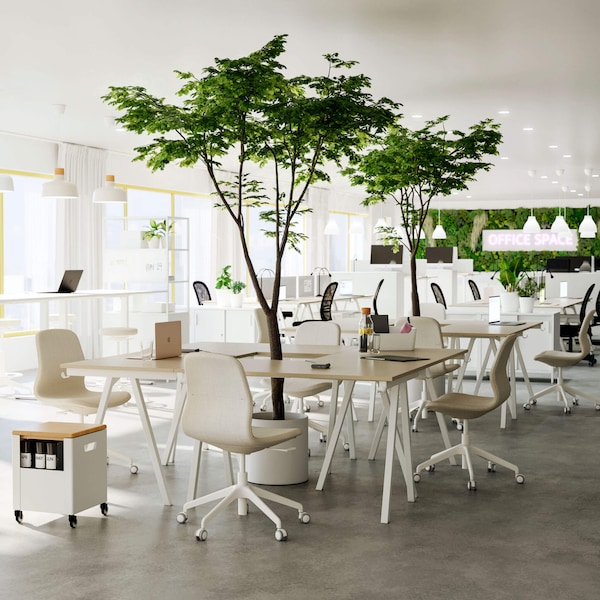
79,234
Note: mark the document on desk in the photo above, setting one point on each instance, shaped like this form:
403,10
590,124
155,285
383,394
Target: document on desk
392,357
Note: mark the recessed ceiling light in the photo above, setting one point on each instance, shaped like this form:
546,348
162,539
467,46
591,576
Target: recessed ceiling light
553,146
573,191
504,158
504,112
554,181
417,116
595,175
527,128
469,197
580,194
543,176
566,155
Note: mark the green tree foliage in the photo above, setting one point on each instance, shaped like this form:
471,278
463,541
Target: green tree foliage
248,109
412,167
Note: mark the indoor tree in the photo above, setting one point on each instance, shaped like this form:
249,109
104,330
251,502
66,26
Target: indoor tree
247,110
413,167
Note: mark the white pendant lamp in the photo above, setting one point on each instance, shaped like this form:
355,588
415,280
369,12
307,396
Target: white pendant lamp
58,187
559,225
587,227
380,223
531,225
356,228
331,228
439,233
108,193
6,183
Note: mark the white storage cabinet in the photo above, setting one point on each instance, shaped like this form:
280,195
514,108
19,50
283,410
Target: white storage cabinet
75,479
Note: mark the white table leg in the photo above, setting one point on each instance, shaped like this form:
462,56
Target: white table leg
180,397
150,440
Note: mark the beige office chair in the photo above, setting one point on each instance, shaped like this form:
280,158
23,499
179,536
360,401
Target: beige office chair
53,387
559,360
218,411
469,406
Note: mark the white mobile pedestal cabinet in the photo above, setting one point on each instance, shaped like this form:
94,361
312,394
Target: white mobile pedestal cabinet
75,479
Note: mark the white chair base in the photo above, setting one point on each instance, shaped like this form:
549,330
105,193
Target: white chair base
243,492
467,451
562,389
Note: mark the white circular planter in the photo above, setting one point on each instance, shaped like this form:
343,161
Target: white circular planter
509,302
286,463
526,304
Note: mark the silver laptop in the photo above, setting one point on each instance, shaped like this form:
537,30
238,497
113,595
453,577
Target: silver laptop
494,313
167,339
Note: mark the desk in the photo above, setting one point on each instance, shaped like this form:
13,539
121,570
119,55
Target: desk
474,330
305,304
349,367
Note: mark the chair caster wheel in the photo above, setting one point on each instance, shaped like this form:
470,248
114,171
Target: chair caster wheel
73,521
104,508
526,406
597,407
567,410
519,478
430,468
346,446
491,467
201,535
320,404
304,518
471,486
263,409
182,517
575,401
19,516
281,535
416,477
133,469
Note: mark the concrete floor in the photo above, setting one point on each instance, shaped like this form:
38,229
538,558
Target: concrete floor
504,541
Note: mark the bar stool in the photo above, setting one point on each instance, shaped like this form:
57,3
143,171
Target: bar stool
120,335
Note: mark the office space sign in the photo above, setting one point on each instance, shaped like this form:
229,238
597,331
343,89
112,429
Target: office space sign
502,240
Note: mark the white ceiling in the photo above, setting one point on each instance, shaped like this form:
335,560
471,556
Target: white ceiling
469,59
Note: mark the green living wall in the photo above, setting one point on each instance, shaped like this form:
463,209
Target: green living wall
463,229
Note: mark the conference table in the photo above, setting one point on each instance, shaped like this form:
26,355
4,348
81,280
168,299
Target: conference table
474,330
135,370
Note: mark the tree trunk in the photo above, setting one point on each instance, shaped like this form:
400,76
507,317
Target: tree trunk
416,307
276,354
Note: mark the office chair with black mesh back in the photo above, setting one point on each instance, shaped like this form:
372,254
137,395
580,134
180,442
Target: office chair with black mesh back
438,294
375,296
569,331
202,293
474,290
326,304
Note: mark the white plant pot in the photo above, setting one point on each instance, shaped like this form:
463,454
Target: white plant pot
154,242
222,296
509,302
526,304
236,300
286,463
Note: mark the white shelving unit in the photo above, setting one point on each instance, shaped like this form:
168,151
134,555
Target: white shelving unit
160,266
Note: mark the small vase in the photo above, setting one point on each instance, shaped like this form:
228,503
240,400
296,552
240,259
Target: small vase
526,304
236,300
153,242
509,302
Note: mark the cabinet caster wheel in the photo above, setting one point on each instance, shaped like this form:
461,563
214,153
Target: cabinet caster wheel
304,517
19,516
567,410
320,404
471,485
430,468
133,469
520,478
182,517
104,508
281,535
201,535
491,467
459,426
597,407
527,406
416,477
73,521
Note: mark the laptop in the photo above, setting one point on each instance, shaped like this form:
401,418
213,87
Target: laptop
167,339
69,282
494,313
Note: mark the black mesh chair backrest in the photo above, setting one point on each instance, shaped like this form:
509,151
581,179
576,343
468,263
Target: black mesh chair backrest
438,294
375,295
584,303
327,301
202,292
474,290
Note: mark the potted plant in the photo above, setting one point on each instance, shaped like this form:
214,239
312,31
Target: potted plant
236,293
510,275
527,290
223,286
153,233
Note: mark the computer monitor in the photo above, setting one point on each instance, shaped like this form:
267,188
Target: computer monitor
439,254
385,255
559,264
